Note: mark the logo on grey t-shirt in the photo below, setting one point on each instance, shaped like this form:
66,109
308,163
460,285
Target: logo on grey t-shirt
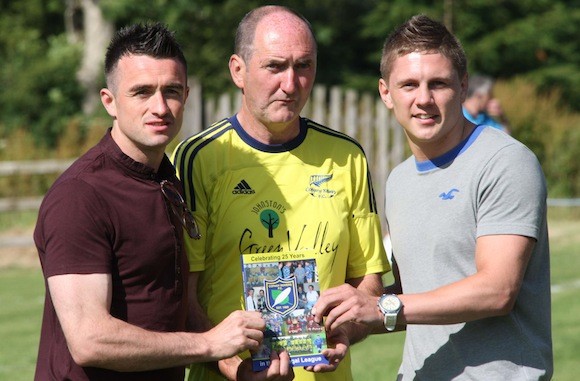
449,195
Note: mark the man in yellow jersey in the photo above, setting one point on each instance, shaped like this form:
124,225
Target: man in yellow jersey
266,180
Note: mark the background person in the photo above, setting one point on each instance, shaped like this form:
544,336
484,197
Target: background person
109,236
467,221
495,110
479,102
307,186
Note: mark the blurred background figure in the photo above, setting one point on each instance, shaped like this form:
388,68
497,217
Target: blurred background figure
495,111
480,107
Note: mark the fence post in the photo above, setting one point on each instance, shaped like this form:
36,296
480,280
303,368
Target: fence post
193,112
318,103
336,119
365,126
351,113
224,107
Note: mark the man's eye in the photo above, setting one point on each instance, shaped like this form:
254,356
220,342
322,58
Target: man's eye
141,92
438,84
173,92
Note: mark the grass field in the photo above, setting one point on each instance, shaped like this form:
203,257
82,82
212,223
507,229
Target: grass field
376,358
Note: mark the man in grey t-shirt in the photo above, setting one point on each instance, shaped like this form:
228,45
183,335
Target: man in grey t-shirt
467,221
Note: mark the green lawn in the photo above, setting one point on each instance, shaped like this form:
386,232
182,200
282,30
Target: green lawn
378,357
21,302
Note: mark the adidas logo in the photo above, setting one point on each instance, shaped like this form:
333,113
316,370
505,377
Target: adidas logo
243,188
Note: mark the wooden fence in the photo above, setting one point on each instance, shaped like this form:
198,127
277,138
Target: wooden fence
360,115
23,168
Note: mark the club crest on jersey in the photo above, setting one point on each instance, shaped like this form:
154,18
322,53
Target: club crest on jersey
319,186
281,295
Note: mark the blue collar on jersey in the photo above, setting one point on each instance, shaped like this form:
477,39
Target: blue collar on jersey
272,148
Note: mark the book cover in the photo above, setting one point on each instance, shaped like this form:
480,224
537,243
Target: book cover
283,286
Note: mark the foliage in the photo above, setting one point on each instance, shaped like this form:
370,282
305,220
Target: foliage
533,42
207,29
548,129
532,38
21,145
39,92
345,55
543,45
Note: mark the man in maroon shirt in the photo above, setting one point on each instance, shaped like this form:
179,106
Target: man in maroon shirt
109,236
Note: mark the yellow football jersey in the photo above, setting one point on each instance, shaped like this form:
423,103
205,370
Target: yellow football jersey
313,194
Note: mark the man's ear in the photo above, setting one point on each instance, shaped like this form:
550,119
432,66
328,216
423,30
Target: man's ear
385,93
108,100
185,94
464,85
237,70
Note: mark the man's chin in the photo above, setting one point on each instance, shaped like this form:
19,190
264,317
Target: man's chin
284,118
162,140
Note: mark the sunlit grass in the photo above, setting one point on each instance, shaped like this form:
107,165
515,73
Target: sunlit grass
376,358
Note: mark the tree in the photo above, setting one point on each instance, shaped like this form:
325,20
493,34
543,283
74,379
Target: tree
540,42
96,34
38,93
207,28
43,41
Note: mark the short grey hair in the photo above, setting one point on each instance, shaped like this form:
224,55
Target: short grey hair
479,84
246,30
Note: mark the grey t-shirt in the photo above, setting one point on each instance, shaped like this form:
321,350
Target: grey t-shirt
490,184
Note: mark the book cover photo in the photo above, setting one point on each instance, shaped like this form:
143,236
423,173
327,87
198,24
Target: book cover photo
284,287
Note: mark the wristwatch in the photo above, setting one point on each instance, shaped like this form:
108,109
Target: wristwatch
390,305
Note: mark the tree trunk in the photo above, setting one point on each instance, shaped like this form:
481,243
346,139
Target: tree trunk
97,34
71,22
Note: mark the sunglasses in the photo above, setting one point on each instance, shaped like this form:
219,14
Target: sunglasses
180,209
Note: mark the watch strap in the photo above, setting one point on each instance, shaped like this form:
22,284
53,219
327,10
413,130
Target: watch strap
389,315
390,321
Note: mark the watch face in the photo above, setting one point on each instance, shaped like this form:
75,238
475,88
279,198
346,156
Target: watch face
390,303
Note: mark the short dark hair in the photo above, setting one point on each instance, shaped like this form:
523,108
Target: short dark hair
150,39
422,34
247,28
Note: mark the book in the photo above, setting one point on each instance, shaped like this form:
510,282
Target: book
283,286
